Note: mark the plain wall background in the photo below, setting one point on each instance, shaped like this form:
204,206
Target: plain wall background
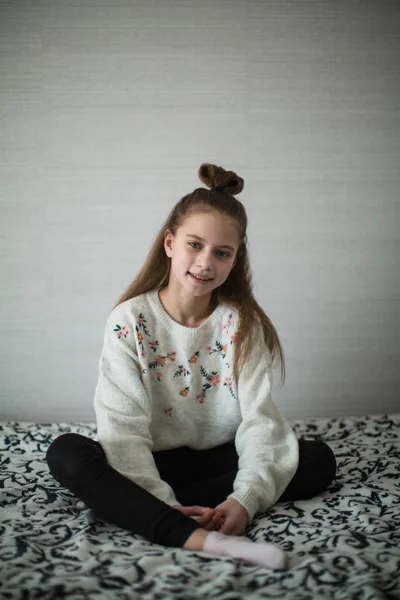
107,111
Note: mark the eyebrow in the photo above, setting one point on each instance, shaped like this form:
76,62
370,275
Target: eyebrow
196,237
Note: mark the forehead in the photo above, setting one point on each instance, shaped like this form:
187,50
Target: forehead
213,227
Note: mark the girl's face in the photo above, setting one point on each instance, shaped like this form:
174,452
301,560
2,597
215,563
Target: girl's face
205,245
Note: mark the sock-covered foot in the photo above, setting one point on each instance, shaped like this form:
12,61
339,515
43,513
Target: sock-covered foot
264,555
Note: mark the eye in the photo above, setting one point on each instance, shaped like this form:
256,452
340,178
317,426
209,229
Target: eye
194,244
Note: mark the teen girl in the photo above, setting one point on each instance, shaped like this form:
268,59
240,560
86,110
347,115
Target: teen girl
190,445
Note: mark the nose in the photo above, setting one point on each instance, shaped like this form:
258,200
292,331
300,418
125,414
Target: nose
204,260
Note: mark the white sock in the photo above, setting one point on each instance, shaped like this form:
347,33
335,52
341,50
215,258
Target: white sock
265,555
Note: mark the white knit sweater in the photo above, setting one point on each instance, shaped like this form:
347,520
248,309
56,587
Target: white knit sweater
162,385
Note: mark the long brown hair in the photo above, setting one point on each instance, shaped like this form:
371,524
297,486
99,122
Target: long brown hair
237,289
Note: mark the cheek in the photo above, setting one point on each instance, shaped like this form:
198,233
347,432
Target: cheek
184,261
188,256
223,271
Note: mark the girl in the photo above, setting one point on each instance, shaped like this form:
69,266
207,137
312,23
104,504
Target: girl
189,442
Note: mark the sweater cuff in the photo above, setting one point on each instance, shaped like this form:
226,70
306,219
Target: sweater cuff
249,500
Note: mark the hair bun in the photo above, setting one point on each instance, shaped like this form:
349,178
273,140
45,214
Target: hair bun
227,181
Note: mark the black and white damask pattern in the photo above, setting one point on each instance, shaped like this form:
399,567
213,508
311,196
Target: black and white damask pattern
344,544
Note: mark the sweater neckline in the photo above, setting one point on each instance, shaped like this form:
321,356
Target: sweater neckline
173,325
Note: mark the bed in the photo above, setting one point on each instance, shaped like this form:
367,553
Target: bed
344,544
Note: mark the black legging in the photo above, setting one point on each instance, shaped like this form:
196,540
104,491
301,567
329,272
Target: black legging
198,477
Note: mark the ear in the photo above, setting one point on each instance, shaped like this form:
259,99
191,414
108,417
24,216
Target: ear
168,239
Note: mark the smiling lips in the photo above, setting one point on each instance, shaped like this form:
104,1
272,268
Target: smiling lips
198,278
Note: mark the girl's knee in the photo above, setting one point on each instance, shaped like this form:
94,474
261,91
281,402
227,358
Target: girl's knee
318,454
318,467
60,454
61,444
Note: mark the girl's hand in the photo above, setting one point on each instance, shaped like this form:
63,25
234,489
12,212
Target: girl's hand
235,517
209,518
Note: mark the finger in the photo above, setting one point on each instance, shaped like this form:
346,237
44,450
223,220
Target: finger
218,521
226,528
193,511
201,510
206,509
205,519
205,525
220,513
216,524
217,518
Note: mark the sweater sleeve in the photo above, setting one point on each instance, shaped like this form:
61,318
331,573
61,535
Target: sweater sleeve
123,410
266,445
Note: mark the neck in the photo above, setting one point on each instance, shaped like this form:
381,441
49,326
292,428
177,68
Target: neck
187,310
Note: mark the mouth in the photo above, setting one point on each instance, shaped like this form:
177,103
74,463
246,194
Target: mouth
198,279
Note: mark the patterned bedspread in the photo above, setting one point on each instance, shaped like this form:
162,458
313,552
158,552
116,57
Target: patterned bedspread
344,544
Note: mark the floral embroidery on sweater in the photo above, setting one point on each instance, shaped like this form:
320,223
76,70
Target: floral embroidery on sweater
121,331
228,324
226,327
141,324
161,360
194,357
211,380
228,384
219,348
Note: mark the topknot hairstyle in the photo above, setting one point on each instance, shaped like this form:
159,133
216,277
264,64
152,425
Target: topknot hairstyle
220,180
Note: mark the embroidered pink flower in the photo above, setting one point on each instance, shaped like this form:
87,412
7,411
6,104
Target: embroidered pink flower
159,376
209,348
228,381
123,331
